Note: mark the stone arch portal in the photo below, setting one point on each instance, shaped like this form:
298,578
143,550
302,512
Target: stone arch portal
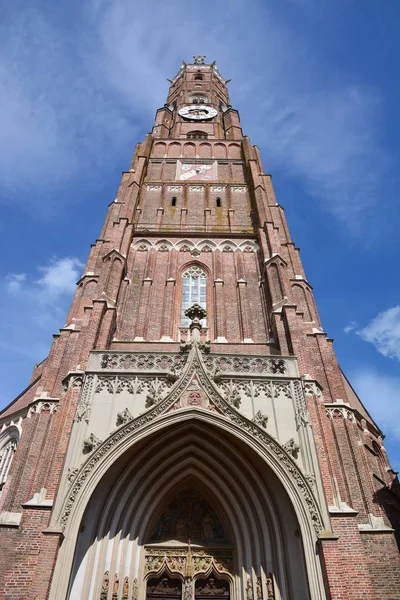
244,528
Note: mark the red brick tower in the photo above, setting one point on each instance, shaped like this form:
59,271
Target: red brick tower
190,433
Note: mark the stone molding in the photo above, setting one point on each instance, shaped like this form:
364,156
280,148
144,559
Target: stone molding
46,405
205,245
344,411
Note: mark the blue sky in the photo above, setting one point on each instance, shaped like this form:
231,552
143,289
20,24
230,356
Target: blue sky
315,83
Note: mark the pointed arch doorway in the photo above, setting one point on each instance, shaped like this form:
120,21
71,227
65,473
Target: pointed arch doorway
191,480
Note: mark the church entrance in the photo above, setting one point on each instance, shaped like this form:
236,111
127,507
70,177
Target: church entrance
189,539
191,515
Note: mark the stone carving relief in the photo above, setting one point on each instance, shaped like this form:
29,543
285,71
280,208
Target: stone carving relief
211,587
189,516
72,473
105,586
154,188
84,406
143,362
270,587
164,587
342,412
291,448
156,390
242,364
300,408
260,419
249,589
236,188
282,388
188,562
123,417
40,406
90,443
231,394
125,589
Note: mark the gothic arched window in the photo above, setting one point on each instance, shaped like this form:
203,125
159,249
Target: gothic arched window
6,456
194,291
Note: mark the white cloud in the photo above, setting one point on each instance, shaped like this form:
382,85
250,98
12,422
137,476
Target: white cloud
59,277
58,280
14,282
384,332
350,327
381,395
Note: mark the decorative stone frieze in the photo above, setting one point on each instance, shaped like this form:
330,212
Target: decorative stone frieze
243,364
42,405
187,562
141,362
341,411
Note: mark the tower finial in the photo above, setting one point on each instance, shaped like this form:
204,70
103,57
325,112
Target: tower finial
199,60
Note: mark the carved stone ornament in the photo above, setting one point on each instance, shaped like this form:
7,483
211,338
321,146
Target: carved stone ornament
259,589
72,474
156,389
84,406
90,443
291,448
300,408
232,394
270,587
143,362
123,417
199,59
244,364
42,406
249,589
196,366
260,419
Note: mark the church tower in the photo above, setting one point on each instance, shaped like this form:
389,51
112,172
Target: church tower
190,434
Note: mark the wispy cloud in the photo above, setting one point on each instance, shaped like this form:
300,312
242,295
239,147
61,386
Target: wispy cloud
384,332
14,282
350,327
58,278
72,93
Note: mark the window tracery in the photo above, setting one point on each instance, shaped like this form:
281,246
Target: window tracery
6,456
194,291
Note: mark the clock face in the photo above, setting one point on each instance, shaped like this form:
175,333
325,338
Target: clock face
196,172
197,112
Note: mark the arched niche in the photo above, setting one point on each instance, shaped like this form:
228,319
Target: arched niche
200,452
